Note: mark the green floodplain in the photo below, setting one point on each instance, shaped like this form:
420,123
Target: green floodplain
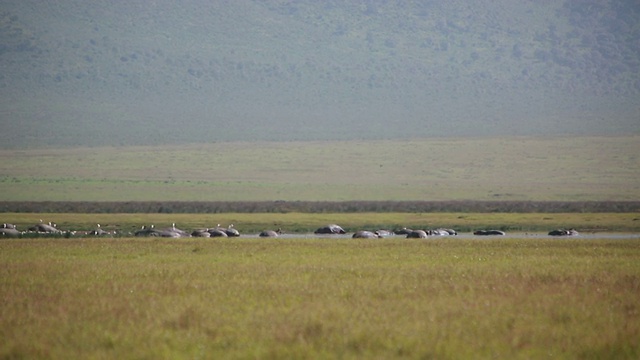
596,168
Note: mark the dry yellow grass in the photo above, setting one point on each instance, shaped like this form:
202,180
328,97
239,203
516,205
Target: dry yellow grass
320,298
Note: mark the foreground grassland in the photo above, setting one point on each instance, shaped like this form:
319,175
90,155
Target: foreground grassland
562,168
308,222
320,298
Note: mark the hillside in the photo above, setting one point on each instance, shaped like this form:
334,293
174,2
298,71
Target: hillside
78,73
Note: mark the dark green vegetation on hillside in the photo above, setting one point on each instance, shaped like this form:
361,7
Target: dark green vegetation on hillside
122,73
320,298
323,207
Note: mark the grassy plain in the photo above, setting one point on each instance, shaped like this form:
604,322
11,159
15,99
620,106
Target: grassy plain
526,168
320,298
307,222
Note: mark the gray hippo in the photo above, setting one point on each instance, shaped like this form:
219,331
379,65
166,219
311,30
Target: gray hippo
270,233
330,229
563,232
417,234
488,232
364,234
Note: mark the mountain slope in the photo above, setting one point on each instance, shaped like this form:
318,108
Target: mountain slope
113,73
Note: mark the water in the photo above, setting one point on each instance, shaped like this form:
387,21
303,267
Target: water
527,235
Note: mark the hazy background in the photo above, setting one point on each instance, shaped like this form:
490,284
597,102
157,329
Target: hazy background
75,72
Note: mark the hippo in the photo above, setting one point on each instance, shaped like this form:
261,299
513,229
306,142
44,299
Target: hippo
201,233
148,231
270,233
563,232
330,229
403,231
45,228
99,231
9,232
448,231
383,233
179,232
364,234
217,232
438,232
417,234
488,232
229,231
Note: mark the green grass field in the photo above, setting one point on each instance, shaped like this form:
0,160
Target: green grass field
320,298
521,169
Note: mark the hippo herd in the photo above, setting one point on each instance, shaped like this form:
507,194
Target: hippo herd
10,230
174,232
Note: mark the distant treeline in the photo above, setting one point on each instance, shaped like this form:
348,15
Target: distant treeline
322,207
